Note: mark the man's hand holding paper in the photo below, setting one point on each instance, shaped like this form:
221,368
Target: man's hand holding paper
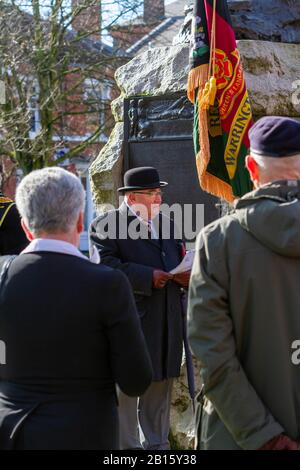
182,279
182,272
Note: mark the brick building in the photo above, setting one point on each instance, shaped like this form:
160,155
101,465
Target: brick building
157,26
87,107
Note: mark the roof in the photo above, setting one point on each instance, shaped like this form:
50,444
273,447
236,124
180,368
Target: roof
163,33
176,8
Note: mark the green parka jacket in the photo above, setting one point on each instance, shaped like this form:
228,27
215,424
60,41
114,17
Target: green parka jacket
244,320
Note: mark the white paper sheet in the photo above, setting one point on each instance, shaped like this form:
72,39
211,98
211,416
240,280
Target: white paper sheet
95,257
186,264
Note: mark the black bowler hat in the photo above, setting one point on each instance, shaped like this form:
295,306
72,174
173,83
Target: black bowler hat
275,136
143,177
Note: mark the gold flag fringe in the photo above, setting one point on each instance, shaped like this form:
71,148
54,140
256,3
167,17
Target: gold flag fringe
197,79
212,184
208,182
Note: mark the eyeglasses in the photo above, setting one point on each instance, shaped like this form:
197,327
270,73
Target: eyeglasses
149,193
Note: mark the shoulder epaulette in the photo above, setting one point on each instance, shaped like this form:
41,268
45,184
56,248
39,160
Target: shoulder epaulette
5,200
5,205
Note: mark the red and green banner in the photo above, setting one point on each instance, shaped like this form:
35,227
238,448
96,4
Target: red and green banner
222,107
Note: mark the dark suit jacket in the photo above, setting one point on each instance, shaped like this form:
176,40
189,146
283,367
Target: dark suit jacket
71,331
159,309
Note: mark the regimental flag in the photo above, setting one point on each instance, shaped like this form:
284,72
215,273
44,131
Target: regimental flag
223,116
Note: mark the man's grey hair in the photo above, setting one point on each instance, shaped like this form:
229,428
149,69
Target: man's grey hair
278,168
50,200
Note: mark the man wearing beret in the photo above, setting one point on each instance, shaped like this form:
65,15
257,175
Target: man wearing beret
244,303
140,241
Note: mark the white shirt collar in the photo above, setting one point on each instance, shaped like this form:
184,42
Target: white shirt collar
134,213
55,246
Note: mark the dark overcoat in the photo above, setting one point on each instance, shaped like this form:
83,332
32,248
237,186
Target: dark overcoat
70,331
159,309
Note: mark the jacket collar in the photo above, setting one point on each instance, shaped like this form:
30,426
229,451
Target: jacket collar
281,191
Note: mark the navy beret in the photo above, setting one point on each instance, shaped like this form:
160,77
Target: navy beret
275,136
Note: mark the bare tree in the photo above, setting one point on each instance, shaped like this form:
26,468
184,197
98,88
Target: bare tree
55,69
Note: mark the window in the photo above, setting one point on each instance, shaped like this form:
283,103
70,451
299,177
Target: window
89,213
34,110
97,96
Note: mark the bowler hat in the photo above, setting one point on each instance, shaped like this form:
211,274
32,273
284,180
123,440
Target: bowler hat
143,177
275,136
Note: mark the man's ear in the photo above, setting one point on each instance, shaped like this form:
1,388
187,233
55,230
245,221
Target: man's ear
131,198
80,222
253,169
28,234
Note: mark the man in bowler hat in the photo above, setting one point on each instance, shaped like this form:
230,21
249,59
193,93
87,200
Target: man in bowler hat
138,248
244,303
